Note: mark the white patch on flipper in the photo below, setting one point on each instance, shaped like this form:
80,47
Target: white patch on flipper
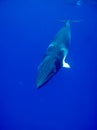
64,64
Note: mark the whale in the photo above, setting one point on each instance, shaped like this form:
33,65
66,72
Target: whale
55,56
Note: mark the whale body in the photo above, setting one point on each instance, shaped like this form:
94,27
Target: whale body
55,55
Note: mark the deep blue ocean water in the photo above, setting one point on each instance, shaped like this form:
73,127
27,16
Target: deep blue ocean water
69,100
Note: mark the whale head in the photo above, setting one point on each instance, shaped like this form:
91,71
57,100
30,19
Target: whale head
47,69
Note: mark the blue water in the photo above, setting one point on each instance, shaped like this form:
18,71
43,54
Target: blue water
69,100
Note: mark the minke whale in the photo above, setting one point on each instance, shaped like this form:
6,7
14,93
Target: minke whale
55,55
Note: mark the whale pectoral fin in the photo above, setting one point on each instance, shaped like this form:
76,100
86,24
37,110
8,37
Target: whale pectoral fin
64,64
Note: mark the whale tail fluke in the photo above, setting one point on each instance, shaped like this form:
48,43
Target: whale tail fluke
69,20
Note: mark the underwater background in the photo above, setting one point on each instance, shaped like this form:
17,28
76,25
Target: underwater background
69,100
